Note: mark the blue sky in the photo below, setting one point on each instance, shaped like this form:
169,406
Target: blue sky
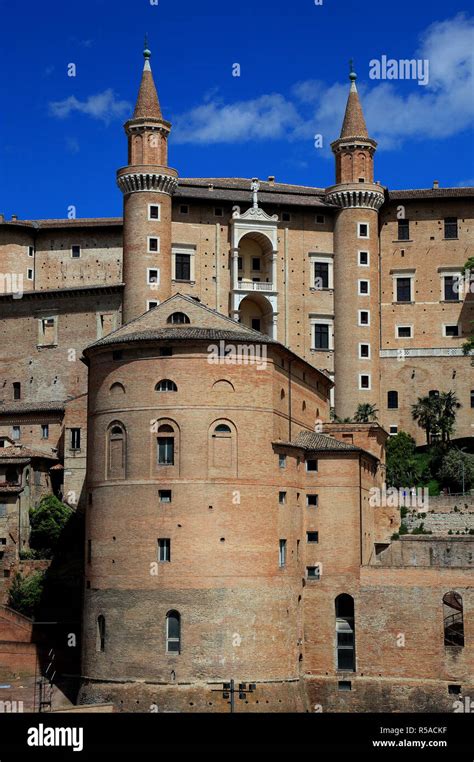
61,137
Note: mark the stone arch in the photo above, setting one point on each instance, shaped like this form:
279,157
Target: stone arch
223,385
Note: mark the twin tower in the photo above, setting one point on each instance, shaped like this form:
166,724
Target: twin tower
148,184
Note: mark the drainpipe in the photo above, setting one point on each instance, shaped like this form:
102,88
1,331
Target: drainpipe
360,509
289,400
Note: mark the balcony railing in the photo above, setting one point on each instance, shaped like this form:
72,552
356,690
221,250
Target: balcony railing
246,286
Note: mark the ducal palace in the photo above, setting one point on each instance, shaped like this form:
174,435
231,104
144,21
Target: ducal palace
171,374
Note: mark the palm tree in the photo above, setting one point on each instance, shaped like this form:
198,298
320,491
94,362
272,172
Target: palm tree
449,404
425,413
365,413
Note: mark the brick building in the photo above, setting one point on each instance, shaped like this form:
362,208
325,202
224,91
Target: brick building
225,538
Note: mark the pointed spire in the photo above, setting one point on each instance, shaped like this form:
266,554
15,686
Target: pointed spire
147,104
354,123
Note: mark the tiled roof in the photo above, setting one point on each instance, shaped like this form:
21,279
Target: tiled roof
81,222
309,440
237,190
147,104
354,123
32,407
10,490
19,452
66,293
431,193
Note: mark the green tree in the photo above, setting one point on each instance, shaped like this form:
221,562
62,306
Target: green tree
402,467
448,406
47,523
454,464
25,593
365,413
426,413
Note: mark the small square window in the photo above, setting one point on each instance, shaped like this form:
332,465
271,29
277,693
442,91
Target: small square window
166,351
344,685
364,288
454,690
312,501
404,331
117,355
363,229
152,305
153,245
285,217
364,381
183,209
165,495
218,211
154,211
282,461
313,572
364,351
364,258
364,317
393,431
451,330
75,251
312,537
311,464
320,219
282,498
256,324
153,276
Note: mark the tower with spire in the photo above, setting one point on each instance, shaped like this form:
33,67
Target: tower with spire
356,262
147,184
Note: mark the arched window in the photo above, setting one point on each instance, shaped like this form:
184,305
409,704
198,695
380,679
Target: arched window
453,619
282,394
222,449
223,386
222,428
166,385
166,449
100,639
345,634
117,388
178,318
173,632
116,451
392,400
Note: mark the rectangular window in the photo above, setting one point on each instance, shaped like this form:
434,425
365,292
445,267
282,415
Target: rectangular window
183,267
364,288
311,464
256,324
16,390
403,289
166,451
29,273
282,498
285,217
321,336
312,537
153,276
45,431
282,461
31,251
392,400
451,288
75,251
364,381
451,227
313,572
364,258
364,317
312,501
48,330
166,351
151,305
183,209
451,330
75,439
164,550
282,554
154,212
364,351
404,331
393,431
240,263
320,219
472,397
16,433
218,211
362,230
153,245
403,230
256,263
321,275
165,495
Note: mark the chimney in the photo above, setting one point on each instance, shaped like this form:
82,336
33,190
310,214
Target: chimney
435,184
271,179
14,217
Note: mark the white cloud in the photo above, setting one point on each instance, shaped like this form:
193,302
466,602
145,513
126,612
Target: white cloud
104,106
394,110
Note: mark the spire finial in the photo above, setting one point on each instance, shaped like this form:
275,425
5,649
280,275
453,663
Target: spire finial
147,51
352,74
